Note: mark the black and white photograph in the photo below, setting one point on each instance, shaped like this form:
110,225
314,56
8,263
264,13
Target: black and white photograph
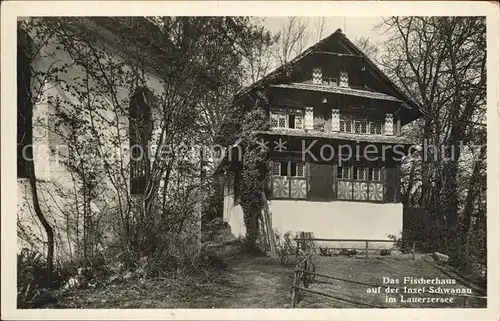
238,161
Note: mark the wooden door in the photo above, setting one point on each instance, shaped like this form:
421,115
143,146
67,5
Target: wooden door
321,182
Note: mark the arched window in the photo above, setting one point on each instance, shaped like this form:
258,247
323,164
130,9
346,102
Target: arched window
140,128
24,107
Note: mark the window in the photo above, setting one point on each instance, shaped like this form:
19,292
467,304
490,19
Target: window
359,170
329,81
291,121
287,181
281,169
345,123
374,174
286,118
376,125
140,135
284,169
24,112
360,124
296,169
360,173
274,120
282,122
344,171
276,168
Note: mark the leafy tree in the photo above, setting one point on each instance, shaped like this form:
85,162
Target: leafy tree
99,67
440,62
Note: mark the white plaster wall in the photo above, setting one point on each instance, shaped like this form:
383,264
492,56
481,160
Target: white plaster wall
339,220
233,214
55,184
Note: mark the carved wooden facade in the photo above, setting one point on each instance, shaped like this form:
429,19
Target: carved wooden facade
334,96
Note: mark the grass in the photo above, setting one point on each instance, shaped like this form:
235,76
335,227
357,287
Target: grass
257,282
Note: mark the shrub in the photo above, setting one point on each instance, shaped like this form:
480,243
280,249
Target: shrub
284,247
33,289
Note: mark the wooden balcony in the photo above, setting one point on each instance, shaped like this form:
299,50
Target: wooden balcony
358,190
290,187
343,189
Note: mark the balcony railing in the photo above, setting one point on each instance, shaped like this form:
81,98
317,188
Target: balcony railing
358,190
290,187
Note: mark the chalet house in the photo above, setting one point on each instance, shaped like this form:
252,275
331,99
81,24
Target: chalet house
334,145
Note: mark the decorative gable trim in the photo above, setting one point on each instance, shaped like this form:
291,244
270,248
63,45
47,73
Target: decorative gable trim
389,124
317,76
335,120
344,79
355,51
309,118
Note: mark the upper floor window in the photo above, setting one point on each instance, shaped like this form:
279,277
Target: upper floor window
375,124
287,118
360,123
330,81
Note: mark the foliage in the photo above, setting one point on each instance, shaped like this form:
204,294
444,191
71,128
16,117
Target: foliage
440,62
285,247
32,282
252,175
90,79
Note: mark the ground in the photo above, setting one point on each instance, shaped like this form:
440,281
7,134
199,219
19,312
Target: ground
261,282
367,274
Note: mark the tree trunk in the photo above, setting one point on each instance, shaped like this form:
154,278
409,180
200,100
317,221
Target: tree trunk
41,217
465,221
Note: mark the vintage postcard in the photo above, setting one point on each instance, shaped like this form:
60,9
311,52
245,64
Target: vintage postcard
260,160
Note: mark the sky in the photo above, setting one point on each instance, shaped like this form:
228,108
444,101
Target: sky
353,27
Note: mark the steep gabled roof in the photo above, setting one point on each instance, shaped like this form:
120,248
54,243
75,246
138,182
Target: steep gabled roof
351,47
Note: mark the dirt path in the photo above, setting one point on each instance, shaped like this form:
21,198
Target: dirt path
248,282
257,282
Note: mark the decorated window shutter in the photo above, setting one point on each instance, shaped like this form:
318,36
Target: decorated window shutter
317,76
389,124
344,79
335,120
298,121
309,118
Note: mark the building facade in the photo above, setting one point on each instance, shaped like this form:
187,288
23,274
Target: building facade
334,145
114,111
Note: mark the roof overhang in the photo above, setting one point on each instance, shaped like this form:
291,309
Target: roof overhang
359,138
338,90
